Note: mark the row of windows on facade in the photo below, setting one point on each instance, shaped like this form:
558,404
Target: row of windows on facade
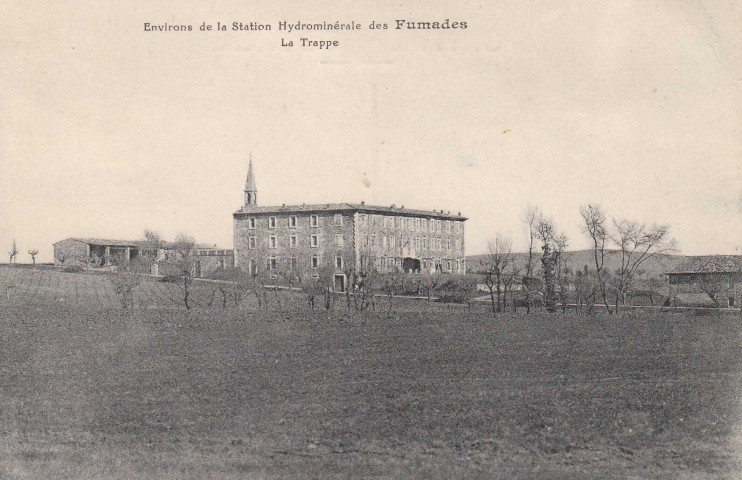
420,243
414,224
292,263
212,253
383,263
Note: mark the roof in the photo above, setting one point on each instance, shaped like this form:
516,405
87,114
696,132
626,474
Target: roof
128,243
250,182
105,241
709,264
348,207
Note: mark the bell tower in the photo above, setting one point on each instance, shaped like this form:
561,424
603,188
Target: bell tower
251,192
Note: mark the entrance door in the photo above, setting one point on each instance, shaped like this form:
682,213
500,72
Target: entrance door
411,265
339,283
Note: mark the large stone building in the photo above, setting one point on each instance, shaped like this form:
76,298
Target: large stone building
343,237
718,277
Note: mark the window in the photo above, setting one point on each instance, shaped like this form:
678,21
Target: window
365,240
315,263
314,241
293,221
272,241
251,224
731,301
448,244
253,267
373,240
448,265
392,241
252,242
313,220
339,240
272,263
293,264
383,241
293,241
337,219
339,262
271,222
417,224
458,266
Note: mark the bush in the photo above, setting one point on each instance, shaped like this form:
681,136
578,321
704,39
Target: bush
170,279
73,268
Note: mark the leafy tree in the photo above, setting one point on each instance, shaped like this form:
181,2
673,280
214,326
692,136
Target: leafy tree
13,252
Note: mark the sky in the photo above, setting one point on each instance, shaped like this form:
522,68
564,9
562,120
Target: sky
107,129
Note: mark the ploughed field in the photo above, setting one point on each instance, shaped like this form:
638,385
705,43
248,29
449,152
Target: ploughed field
93,391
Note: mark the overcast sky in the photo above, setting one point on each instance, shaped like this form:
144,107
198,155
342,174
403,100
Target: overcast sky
107,129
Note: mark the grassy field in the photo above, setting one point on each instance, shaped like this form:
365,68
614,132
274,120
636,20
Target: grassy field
91,391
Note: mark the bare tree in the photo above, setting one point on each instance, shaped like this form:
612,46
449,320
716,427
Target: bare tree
508,282
429,282
180,256
33,252
493,267
531,218
13,252
127,277
350,285
595,226
366,279
392,282
325,281
586,289
637,243
562,269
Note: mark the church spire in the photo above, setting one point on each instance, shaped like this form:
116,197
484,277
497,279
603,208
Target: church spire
251,191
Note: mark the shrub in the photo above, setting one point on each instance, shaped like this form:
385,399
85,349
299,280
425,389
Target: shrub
73,268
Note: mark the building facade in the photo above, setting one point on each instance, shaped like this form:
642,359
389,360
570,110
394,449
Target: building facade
100,252
345,237
718,277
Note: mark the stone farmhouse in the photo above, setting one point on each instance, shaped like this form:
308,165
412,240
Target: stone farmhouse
717,277
101,253
345,236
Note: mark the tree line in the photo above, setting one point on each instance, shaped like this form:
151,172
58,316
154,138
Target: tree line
557,282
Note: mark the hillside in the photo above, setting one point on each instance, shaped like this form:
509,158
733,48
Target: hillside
655,266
